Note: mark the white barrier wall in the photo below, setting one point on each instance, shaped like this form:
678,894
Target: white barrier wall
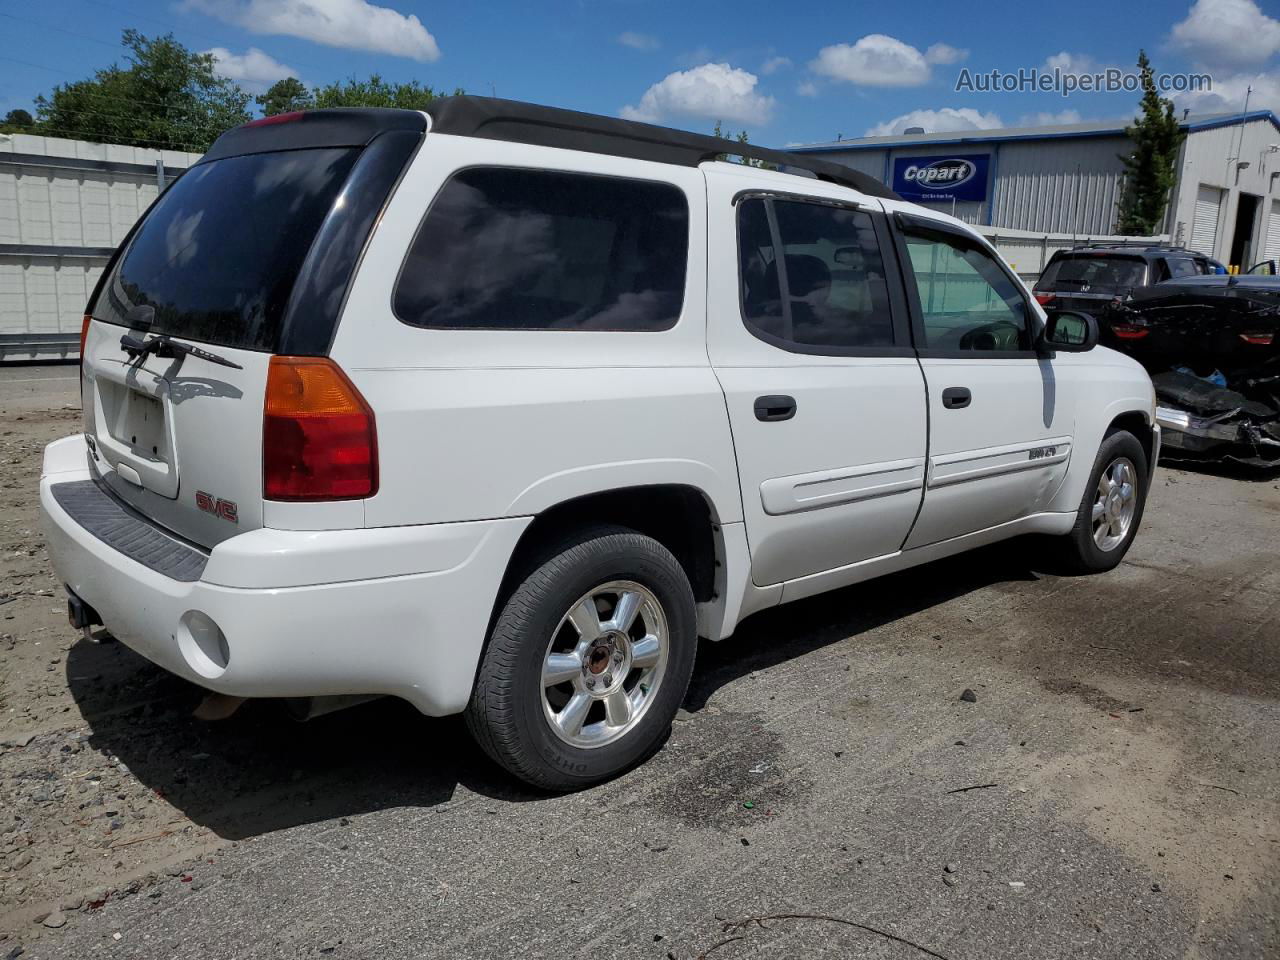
64,206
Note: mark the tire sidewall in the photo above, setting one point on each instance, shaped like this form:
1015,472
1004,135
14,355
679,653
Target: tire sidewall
1118,444
615,557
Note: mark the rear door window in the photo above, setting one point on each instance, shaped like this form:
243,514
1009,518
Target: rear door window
835,298
515,249
217,257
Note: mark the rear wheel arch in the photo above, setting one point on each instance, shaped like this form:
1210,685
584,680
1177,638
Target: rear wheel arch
682,518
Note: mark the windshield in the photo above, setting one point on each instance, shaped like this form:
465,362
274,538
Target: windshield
217,257
1093,273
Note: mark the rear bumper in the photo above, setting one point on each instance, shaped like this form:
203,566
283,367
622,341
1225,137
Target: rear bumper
399,611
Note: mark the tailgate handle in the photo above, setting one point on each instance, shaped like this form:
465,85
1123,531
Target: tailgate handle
954,398
773,408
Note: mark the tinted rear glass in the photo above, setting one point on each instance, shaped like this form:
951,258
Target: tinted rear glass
1099,274
217,257
505,248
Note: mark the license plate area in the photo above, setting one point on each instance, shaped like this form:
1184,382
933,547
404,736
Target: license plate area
134,427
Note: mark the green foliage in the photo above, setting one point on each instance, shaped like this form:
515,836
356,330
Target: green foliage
167,96
17,121
376,92
283,96
739,138
1150,167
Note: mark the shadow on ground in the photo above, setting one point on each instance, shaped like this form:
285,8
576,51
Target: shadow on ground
260,771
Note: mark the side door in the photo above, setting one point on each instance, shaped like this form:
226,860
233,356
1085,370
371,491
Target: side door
807,332
1000,423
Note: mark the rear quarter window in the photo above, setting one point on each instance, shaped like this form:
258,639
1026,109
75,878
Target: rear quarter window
516,249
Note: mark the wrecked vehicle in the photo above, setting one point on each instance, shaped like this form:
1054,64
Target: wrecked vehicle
1212,347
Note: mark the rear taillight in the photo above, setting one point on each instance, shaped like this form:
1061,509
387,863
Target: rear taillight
1258,339
318,436
1129,331
84,335
1044,299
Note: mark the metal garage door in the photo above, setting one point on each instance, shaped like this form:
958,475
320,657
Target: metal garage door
1204,228
1273,232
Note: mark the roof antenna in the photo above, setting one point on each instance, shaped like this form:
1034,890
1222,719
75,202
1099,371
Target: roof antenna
1186,112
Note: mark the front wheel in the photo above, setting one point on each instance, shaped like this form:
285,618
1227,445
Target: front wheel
588,661
1111,509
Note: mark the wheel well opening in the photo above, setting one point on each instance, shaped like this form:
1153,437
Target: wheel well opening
1136,424
678,517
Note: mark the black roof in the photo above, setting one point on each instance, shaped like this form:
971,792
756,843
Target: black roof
511,120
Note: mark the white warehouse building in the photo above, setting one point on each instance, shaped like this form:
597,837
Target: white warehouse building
1067,180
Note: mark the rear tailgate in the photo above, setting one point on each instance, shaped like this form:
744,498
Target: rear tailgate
246,256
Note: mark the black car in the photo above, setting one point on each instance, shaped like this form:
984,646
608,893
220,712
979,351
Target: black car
1212,347
1091,278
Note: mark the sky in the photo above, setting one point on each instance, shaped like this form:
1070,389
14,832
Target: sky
787,73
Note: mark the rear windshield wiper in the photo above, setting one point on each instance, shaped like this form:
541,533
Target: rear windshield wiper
164,346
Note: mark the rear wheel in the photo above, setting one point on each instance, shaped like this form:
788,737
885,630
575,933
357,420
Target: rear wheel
1111,509
588,661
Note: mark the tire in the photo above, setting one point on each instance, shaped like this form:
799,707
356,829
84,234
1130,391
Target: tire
1084,550
534,731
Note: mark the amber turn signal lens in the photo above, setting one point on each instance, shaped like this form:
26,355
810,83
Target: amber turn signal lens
319,440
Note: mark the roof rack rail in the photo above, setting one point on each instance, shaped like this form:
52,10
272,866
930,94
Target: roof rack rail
518,122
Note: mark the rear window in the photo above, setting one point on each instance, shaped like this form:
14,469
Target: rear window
1093,273
513,249
217,257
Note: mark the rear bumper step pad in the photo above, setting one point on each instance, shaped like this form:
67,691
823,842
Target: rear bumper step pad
120,528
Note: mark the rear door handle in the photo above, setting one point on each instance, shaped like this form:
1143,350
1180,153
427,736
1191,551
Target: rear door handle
953,398
777,407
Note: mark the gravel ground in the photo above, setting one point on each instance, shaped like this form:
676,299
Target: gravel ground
1112,791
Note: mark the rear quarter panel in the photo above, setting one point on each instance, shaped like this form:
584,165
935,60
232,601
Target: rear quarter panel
477,424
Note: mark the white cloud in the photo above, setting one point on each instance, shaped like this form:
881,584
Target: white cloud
1227,33
1227,95
774,64
807,89
1045,119
1069,62
253,69
638,41
943,53
713,91
350,24
875,60
944,120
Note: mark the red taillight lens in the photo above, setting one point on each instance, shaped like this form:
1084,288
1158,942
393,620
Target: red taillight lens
84,335
1129,331
1258,339
318,436
1044,299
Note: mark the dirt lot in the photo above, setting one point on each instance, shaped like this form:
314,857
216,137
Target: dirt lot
1122,755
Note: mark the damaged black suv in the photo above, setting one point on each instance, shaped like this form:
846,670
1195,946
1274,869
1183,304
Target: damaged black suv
1212,347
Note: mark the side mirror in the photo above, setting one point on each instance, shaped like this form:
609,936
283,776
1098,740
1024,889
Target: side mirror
1070,332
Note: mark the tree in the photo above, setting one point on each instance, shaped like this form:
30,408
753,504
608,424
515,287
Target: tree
283,96
167,96
17,121
1150,167
739,138
376,92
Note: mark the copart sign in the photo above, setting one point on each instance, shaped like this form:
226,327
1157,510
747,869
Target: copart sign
941,178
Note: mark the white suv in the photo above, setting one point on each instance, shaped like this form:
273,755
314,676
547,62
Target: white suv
499,408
